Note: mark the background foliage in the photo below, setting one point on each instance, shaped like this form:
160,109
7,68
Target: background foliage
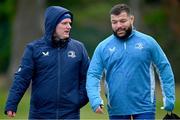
6,17
159,18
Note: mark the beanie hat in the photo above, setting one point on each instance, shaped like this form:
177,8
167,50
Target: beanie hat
66,15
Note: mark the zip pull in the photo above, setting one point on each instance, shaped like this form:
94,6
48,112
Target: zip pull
125,45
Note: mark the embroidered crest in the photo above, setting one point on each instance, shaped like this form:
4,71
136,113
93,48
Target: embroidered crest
139,46
71,54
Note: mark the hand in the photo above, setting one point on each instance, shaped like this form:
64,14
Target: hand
99,110
169,107
11,114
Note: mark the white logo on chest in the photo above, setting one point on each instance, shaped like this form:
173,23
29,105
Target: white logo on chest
112,49
139,46
71,54
45,53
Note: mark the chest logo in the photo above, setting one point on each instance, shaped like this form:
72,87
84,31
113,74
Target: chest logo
112,49
139,46
45,53
71,54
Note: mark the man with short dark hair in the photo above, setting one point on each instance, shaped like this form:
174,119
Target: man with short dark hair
56,65
128,58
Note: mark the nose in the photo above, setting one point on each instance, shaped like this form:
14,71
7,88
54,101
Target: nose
69,26
119,24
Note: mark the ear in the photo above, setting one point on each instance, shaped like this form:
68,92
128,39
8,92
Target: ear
132,19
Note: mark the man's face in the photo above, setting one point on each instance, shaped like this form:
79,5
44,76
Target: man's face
121,23
63,29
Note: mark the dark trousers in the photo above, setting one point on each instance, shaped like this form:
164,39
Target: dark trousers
72,116
147,115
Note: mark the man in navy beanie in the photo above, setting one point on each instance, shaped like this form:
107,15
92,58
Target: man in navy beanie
56,67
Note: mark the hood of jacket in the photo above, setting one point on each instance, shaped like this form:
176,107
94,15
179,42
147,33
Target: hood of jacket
52,14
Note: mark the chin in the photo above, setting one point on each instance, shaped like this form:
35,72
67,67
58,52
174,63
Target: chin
66,36
121,35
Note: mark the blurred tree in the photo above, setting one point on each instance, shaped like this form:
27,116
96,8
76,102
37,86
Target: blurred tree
163,23
6,15
26,27
135,6
172,7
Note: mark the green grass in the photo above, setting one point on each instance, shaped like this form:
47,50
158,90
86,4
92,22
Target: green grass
23,107
86,112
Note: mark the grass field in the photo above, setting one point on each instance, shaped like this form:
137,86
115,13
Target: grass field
86,112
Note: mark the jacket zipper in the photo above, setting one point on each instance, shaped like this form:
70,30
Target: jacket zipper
58,84
125,45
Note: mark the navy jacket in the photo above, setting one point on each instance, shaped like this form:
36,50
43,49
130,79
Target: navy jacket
57,74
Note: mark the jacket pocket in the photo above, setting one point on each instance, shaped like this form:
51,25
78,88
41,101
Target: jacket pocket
72,98
42,99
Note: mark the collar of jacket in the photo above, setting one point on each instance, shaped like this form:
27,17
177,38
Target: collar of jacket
60,43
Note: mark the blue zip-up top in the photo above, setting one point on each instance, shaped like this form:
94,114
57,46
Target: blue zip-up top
57,74
129,75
